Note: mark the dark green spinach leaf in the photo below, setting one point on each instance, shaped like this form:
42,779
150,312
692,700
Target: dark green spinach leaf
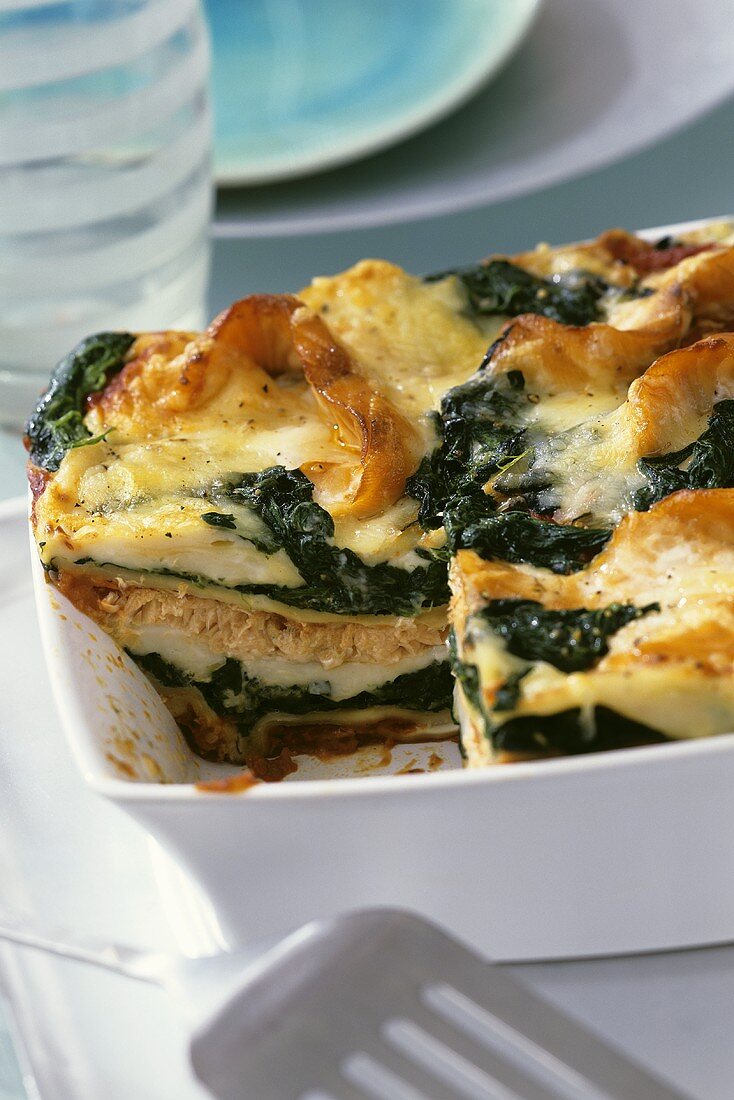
706,464
481,435
521,538
220,519
480,430
56,424
499,287
569,732
507,695
466,674
570,640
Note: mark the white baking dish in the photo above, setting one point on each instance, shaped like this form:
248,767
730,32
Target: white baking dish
614,852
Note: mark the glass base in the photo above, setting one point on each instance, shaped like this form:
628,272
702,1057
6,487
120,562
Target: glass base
19,393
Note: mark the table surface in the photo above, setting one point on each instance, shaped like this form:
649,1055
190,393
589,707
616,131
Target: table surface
673,1011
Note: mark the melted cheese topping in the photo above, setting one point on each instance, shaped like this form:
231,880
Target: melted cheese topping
546,261
593,468
174,428
411,339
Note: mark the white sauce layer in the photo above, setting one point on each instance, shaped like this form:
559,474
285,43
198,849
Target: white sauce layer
195,657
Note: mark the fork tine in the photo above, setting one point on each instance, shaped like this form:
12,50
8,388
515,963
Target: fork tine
317,1094
472,1071
489,1032
390,1073
546,1042
389,1078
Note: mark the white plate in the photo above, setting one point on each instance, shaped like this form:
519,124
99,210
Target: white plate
600,854
594,82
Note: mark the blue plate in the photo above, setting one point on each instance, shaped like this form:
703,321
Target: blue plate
301,85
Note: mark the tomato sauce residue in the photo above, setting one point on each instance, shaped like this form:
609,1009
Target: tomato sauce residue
271,769
38,479
647,258
229,784
122,766
326,741
411,767
662,258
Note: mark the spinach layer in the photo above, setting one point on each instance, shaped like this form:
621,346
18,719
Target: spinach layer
570,732
336,579
570,640
518,537
519,534
507,695
56,424
244,699
481,433
480,429
706,464
499,287
466,674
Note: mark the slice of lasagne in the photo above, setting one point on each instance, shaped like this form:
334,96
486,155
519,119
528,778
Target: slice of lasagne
593,583
263,514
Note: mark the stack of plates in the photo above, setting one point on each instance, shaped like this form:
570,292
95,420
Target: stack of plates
592,82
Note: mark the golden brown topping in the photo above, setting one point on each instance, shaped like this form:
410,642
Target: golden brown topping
137,382
281,333
256,339
670,404
555,357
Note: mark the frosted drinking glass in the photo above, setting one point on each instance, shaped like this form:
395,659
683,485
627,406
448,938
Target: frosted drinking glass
105,177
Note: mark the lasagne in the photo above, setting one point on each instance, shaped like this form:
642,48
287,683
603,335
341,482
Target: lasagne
273,516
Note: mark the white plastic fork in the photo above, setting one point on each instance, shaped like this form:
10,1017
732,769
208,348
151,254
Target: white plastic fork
374,1005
